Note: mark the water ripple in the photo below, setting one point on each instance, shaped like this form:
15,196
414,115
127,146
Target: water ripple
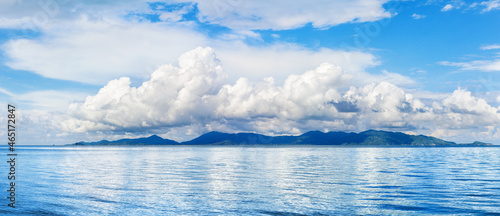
258,181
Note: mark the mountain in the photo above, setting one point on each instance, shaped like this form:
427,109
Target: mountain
366,138
237,139
152,140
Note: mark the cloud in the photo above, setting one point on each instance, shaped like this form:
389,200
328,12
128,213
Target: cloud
50,100
36,16
491,5
6,92
486,6
13,23
447,7
281,15
282,88
464,110
194,98
490,47
301,96
480,65
78,43
281,60
193,93
477,65
418,16
453,4
95,52
462,101
235,14
46,100
172,97
98,51
176,15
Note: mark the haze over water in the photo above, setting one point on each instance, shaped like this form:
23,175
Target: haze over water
184,180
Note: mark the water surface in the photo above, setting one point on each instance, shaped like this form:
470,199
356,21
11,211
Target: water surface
184,180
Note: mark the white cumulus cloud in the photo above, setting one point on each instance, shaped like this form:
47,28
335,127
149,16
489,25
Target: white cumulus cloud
173,96
192,97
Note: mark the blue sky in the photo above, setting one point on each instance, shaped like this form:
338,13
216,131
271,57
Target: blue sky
420,67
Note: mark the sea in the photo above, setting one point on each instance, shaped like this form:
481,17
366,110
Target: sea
252,180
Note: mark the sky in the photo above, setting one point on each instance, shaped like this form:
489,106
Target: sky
93,70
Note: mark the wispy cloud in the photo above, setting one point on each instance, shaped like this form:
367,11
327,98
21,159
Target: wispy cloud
175,15
447,7
477,65
278,16
491,5
239,15
95,52
103,50
4,91
418,16
485,5
490,47
480,65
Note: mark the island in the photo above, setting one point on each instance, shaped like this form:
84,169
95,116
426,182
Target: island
366,138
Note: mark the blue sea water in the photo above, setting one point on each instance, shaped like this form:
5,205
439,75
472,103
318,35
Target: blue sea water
254,181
